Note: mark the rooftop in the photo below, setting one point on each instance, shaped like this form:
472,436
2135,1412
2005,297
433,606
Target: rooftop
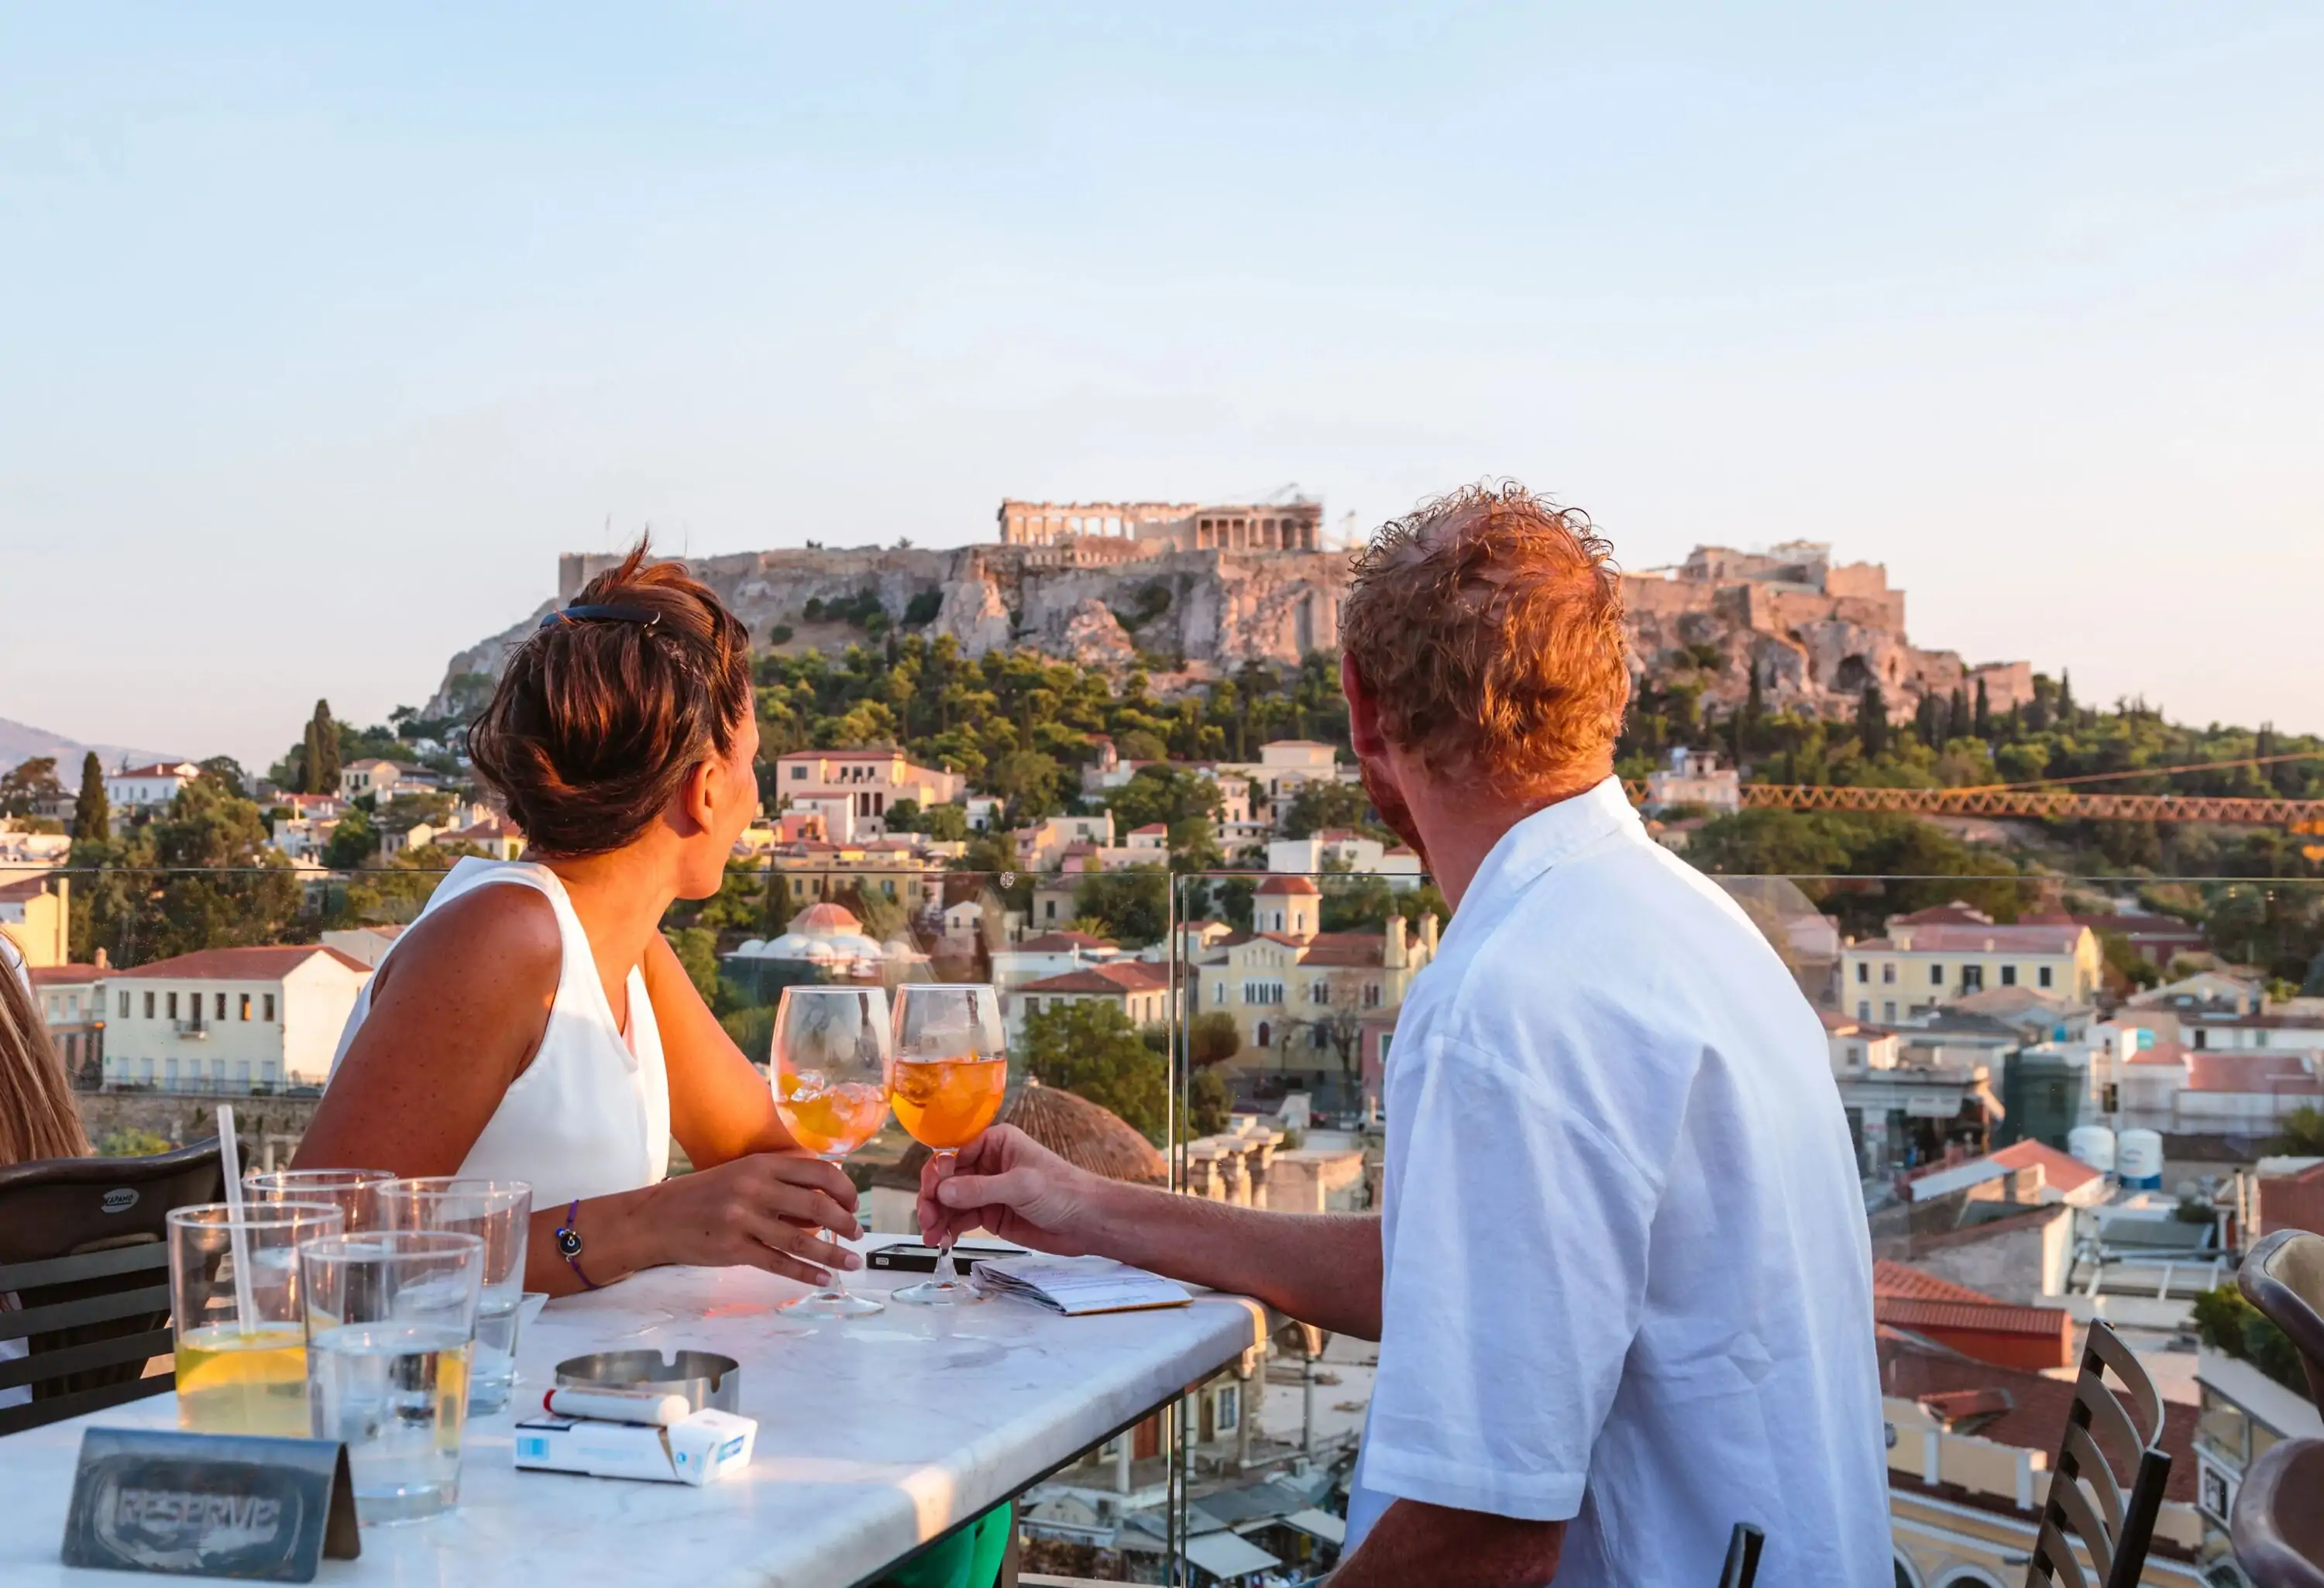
1279,883
1115,976
267,964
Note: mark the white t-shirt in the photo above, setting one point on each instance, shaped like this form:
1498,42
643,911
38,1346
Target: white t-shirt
1628,1279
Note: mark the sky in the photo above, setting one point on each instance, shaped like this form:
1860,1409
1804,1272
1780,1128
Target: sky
324,329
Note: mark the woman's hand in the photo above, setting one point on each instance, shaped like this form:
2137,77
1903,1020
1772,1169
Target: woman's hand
759,1211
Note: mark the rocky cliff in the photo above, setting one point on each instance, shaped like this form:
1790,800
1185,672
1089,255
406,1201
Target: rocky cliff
1097,604
1814,632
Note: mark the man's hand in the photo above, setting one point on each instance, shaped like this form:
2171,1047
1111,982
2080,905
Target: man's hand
1006,1182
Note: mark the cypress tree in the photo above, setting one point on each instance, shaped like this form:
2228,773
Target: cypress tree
322,751
1984,714
2065,697
1872,722
92,815
1925,719
1754,709
1956,722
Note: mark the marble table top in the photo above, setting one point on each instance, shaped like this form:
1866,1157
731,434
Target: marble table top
875,1435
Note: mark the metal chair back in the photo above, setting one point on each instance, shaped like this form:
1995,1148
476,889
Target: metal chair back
2278,1524
2282,1275
84,1249
2085,1499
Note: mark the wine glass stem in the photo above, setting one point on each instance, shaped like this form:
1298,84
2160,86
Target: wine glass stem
946,1273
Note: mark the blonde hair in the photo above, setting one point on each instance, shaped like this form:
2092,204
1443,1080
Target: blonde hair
1487,627
37,1116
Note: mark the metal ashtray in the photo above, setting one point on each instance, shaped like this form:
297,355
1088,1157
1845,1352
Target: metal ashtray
706,1380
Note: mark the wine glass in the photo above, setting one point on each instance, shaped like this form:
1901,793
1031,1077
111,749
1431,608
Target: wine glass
951,1068
830,1077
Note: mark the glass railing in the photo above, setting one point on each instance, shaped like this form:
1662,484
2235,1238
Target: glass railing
1226,1037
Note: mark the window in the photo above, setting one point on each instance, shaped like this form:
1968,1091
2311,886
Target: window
2203,1039
1386,1038
798,774
1888,974
1864,1009
1863,971
2041,979
125,1007
2009,975
1227,1414
220,1013
1888,1011
1259,1039
1219,994
1972,978
149,1006
173,1006
1371,994
245,1006
1319,992
268,1003
1936,976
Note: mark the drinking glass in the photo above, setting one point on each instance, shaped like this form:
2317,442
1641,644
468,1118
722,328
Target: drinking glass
499,1213
830,1077
239,1326
390,1327
952,1069
354,1192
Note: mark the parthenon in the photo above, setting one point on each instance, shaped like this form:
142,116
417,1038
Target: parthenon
1167,526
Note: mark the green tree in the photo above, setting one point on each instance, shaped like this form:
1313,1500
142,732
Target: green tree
1090,1049
29,784
92,814
1031,782
220,886
1165,794
1872,721
696,949
227,772
1134,904
2303,1134
1209,1104
321,752
1983,727
1318,807
1212,1038
353,842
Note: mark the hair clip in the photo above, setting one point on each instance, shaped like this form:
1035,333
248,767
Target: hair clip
623,615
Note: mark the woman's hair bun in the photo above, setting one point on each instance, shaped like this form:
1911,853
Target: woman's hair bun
598,718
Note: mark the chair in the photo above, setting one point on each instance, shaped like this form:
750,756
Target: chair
2084,1495
2282,1275
1743,1547
2278,1526
85,1249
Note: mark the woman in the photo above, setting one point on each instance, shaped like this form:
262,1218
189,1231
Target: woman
37,1116
533,1024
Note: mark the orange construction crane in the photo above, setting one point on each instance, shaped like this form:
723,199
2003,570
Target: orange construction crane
2299,816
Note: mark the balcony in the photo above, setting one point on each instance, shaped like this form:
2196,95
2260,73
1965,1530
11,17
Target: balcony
1297,1128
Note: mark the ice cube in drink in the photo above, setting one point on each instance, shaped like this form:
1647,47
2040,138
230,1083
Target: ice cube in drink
830,1121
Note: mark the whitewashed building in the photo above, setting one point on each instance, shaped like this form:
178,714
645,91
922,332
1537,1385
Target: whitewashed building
230,1020
151,786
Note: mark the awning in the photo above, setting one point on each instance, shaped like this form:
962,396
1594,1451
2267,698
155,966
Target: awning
1319,1524
1224,1554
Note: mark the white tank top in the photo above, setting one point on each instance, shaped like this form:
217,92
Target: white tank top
590,1115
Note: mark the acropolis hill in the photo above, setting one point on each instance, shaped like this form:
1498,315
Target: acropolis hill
1221,584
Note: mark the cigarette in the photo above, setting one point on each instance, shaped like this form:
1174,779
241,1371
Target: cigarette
619,1406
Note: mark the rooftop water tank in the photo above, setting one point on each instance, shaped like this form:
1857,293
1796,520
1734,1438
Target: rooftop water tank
2093,1145
2138,1160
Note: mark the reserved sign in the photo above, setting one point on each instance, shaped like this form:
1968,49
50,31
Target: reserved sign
210,1505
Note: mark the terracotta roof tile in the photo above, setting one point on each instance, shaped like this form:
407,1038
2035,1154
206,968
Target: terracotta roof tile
1903,1280
264,964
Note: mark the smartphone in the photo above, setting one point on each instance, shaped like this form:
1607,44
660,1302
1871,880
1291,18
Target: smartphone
913,1257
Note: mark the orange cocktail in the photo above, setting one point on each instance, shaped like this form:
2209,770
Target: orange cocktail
947,1102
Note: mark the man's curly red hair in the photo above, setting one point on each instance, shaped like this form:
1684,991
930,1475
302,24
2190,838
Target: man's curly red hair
1487,628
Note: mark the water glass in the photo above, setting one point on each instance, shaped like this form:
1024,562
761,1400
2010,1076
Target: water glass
499,1213
390,1327
354,1192
239,1329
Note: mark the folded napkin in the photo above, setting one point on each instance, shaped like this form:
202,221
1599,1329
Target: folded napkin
1075,1286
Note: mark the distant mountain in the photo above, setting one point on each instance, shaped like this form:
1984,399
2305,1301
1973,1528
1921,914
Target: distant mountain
21,742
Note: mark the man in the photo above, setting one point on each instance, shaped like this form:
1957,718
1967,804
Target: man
1620,1278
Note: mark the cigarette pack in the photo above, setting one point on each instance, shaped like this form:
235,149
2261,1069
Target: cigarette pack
703,1448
